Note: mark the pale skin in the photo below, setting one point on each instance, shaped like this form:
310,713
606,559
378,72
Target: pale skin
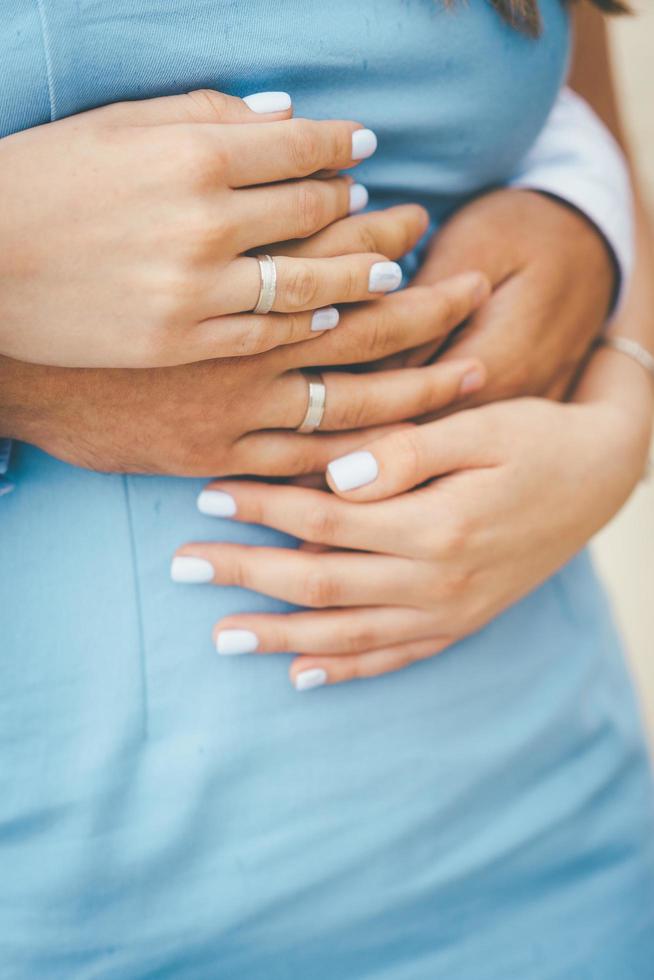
142,216
215,418
462,516
194,419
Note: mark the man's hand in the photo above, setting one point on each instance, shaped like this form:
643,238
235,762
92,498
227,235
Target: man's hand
553,279
237,415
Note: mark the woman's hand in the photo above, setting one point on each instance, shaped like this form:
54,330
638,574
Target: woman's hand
553,279
435,529
122,231
236,415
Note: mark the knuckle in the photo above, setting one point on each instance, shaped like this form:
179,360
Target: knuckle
310,209
454,537
304,147
381,332
239,572
361,639
357,411
425,397
321,525
206,101
353,281
368,238
202,234
301,286
454,585
296,460
321,590
407,452
199,158
295,326
175,300
446,309
256,339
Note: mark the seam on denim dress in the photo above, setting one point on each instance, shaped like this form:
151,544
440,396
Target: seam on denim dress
137,600
47,51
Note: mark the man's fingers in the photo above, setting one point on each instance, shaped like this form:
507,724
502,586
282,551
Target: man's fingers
356,401
406,459
359,401
399,323
470,240
337,632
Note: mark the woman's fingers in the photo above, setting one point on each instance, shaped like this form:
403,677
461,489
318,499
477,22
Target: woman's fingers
393,232
251,154
384,527
402,460
309,672
200,106
335,632
399,323
295,209
283,454
247,334
306,284
302,578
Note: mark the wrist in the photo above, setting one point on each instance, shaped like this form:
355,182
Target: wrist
25,389
623,391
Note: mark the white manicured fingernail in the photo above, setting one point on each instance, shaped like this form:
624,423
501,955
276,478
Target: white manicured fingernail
384,277
364,144
231,643
358,197
307,679
354,470
216,503
325,319
263,102
192,571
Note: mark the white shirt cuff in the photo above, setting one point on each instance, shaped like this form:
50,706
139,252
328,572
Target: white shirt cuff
576,159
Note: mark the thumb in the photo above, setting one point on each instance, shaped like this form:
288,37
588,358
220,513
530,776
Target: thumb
408,457
200,106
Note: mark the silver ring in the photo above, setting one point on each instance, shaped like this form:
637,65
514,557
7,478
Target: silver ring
268,290
316,403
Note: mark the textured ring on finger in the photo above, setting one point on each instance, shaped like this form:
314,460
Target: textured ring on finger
268,288
317,399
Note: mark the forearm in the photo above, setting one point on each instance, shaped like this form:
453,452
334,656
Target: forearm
612,377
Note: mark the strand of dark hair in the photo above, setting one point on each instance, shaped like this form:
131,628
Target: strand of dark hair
525,16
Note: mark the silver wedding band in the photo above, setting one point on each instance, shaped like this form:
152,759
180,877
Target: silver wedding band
268,289
316,403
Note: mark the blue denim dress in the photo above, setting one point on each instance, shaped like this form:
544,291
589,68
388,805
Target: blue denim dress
165,813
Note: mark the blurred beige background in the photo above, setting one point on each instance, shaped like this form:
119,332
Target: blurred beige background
625,550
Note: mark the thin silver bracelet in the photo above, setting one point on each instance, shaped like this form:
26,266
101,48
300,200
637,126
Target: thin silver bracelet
632,349
640,354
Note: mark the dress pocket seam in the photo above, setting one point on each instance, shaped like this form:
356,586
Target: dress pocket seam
47,52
